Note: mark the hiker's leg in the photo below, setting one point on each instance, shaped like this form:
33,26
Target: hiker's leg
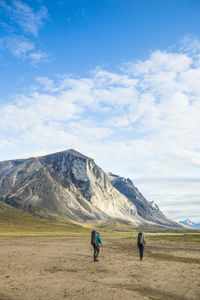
96,252
141,251
94,246
98,249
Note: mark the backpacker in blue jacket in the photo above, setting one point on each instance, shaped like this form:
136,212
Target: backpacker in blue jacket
96,241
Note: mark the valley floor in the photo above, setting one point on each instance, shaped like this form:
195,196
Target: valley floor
62,268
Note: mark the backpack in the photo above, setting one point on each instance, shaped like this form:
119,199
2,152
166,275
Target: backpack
140,238
94,237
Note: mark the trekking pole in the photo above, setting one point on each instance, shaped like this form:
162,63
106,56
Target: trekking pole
102,251
146,255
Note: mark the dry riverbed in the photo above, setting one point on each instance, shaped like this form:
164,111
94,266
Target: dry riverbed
62,268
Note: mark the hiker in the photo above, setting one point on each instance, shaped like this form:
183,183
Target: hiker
96,241
141,243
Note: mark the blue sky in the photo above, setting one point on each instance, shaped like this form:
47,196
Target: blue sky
116,80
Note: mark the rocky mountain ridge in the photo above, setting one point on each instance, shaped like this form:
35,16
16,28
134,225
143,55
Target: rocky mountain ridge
70,184
146,209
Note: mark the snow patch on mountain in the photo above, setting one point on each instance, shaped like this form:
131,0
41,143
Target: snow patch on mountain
190,223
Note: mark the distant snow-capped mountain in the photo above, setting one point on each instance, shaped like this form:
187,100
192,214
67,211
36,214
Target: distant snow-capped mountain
190,223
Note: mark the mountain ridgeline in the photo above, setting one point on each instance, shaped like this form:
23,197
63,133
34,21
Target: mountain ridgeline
70,184
145,209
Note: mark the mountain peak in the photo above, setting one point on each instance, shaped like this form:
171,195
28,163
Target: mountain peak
77,154
70,151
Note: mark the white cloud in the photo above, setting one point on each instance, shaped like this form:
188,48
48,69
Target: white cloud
5,142
118,122
89,131
23,15
46,83
19,46
159,62
37,109
142,122
191,45
36,57
21,30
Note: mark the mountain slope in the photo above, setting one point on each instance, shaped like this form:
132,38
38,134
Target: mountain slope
15,222
68,184
147,210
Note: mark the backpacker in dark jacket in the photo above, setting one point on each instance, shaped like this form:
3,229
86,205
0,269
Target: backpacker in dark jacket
141,240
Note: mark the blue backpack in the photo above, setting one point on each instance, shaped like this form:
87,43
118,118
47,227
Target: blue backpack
94,237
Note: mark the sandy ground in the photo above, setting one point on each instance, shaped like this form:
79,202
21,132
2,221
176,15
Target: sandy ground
63,268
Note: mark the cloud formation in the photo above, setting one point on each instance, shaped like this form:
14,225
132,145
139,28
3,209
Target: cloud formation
141,122
21,26
24,16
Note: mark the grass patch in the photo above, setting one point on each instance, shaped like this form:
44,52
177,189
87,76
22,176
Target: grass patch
188,238
168,257
176,238
113,227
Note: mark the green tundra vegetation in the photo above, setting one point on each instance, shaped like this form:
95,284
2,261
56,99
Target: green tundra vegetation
14,222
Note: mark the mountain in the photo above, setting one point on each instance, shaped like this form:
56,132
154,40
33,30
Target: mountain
189,223
70,184
146,209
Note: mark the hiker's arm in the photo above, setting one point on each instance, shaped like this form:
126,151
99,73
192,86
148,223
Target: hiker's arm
99,239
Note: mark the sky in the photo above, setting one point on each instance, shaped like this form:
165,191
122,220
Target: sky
117,80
